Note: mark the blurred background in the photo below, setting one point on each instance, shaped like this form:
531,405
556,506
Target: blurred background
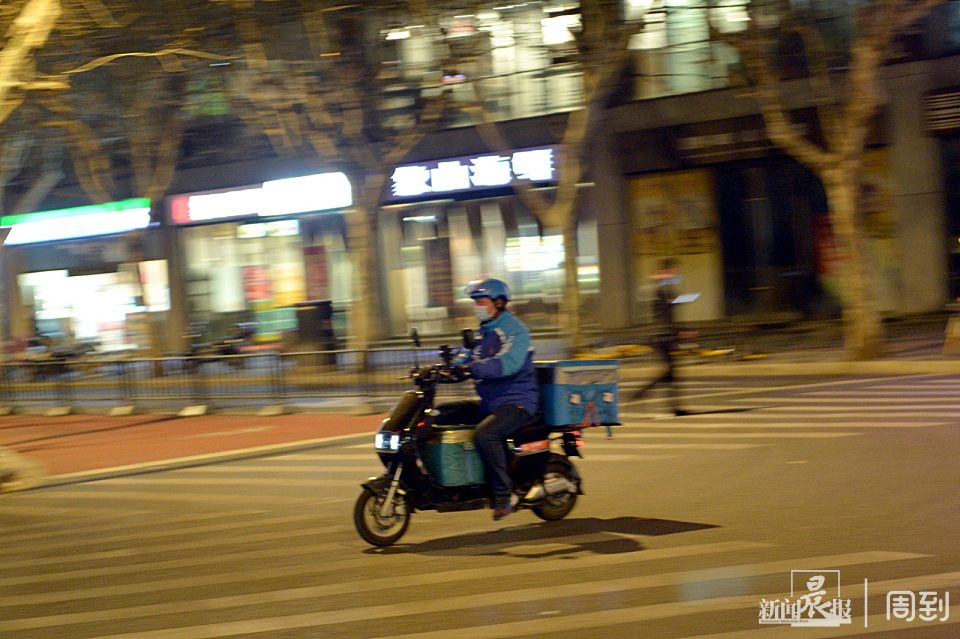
327,174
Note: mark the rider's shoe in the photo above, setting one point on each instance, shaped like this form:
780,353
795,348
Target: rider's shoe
501,511
503,508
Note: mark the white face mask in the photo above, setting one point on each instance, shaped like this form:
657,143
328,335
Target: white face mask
482,313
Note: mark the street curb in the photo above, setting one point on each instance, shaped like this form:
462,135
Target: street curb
192,461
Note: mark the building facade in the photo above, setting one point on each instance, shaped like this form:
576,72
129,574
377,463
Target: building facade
681,168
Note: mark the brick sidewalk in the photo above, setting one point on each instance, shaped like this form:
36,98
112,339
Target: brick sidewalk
84,443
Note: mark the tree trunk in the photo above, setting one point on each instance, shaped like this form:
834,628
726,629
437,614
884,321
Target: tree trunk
569,308
862,328
362,226
29,32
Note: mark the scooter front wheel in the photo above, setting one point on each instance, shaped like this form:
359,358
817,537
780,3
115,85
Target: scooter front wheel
373,527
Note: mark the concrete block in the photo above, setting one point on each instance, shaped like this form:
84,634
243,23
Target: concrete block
196,410
58,411
122,411
274,410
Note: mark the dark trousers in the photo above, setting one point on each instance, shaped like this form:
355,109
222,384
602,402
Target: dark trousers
492,431
664,346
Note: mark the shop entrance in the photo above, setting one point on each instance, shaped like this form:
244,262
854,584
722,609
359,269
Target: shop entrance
107,311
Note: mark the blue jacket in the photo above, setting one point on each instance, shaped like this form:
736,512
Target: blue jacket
502,364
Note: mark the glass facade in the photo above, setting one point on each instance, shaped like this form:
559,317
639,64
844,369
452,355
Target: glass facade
106,310
238,272
435,248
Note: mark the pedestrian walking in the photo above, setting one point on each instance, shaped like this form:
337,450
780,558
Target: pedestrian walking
665,334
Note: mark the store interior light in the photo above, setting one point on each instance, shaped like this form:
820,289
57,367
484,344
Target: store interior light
82,221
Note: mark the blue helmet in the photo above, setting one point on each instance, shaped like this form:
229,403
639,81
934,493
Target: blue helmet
491,288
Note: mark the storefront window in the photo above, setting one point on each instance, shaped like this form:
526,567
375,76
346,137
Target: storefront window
108,310
245,273
445,245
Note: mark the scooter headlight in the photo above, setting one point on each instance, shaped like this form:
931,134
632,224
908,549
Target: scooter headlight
387,442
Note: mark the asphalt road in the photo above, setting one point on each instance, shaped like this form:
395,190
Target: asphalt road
687,525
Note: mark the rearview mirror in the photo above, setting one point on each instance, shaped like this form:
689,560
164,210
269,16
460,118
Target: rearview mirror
469,341
415,336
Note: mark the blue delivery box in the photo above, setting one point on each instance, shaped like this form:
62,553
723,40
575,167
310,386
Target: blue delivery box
583,392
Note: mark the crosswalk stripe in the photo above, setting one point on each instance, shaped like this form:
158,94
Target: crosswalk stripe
692,423
543,626
101,491
706,446
88,539
355,475
52,529
752,435
875,623
197,544
376,583
897,410
319,456
876,392
38,510
442,604
605,457
273,468
952,386
149,565
935,402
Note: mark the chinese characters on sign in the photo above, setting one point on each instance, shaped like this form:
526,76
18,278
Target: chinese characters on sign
464,174
906,605
812,608
821,604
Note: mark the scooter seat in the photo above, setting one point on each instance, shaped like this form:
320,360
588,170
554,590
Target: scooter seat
532,431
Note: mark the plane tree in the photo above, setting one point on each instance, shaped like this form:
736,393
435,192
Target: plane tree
843,86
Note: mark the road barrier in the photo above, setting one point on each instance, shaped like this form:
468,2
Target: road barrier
223,380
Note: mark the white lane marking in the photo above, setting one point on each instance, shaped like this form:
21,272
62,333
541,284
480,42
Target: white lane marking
918,401
639,614
90,538
692,423
155,549
238,431
706,446
101,491
376,583
752,435
888,412
172,482
444,604
872,392
790,387
603,458
320,456
220,469
150,565
52,531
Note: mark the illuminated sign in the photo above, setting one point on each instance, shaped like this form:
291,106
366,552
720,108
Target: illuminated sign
320,192
472,173
81,221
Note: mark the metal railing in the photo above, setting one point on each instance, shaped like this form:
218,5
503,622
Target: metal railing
224,380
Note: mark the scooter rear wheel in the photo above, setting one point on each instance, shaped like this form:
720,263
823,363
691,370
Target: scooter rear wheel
555,507
375,529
